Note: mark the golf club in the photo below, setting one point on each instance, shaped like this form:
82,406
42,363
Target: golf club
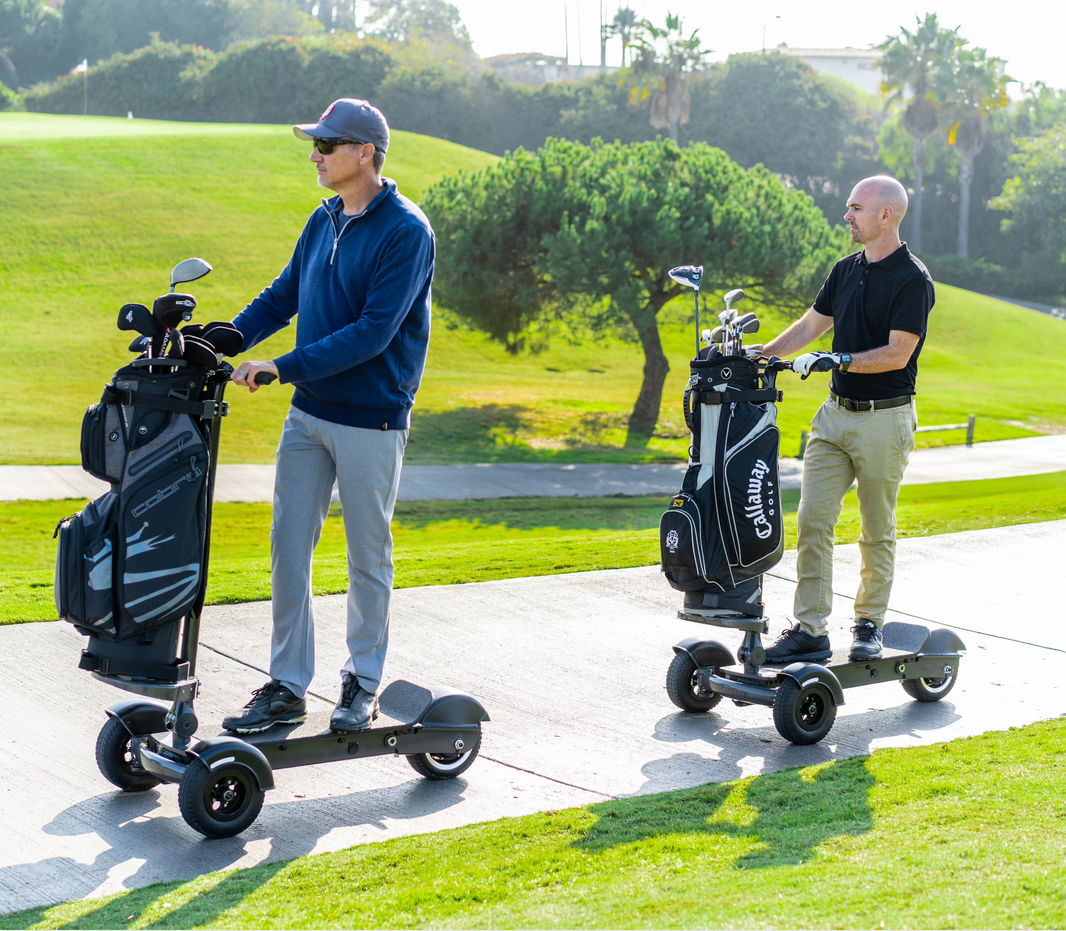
690,276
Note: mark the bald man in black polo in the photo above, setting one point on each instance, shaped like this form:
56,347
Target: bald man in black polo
878,302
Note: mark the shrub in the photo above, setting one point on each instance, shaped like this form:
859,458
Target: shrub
1041,277
283,80
146,82
9,100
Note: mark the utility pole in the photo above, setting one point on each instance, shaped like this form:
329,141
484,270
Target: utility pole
603,38
566,30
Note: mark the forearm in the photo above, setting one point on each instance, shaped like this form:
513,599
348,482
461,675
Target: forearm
801,333
883,359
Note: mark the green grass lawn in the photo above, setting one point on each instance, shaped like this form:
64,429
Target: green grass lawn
966,834
96,211
445,542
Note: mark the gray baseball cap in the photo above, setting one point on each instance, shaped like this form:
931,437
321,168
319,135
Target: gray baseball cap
348,118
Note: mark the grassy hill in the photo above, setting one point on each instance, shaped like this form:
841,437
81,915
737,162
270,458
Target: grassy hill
94,212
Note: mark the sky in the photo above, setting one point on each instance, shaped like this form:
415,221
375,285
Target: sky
1028,34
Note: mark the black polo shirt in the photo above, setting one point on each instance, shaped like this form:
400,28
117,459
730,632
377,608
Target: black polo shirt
867,300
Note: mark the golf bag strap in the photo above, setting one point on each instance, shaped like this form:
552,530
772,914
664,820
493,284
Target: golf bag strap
692,415
158,402
756,396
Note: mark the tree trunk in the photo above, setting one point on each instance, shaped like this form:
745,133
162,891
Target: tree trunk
646,410
965,177
915,236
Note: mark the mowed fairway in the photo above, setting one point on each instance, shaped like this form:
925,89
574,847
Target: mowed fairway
95,211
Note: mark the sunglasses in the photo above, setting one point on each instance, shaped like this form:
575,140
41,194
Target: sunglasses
326,146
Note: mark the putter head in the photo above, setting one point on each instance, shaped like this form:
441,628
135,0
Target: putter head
138,318
688,275
732,297
189,270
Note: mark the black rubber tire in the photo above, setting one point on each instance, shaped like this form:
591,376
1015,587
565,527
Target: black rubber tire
444,766
803,715
117,763
929,689
219,803
681,686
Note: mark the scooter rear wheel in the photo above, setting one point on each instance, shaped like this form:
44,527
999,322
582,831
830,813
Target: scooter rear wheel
221,802
803,715
442,765
928,689
114,756
682,686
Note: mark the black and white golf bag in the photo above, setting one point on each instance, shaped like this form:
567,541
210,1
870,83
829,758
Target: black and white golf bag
724,528
133,562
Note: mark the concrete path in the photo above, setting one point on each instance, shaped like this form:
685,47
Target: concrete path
1050,309
571,668
998,459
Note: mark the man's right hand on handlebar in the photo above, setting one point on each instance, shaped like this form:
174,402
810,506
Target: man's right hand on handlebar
245,374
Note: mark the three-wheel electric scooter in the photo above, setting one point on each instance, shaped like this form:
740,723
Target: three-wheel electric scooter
724,529
152,433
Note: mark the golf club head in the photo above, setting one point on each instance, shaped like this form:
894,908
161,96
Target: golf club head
688,275
225,337
200,352
705,335
732,297
732,315
193,329
717,334
170,309
752,326
138,318
189,270
141,344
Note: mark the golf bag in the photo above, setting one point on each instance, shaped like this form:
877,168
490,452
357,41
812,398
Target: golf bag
133,562
724,528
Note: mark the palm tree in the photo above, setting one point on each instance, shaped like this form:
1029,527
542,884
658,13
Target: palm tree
971,86
662,75
624,24
912,61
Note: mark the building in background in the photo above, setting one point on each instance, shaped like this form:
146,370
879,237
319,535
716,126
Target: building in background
857,65
534,69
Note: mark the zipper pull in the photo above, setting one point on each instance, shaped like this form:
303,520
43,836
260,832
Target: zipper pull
336,239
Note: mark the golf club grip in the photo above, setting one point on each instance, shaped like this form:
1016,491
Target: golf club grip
264,378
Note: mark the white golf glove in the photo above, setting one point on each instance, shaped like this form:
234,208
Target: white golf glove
815,362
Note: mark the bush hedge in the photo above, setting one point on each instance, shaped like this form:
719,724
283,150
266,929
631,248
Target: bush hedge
1041,278
9,100
147,83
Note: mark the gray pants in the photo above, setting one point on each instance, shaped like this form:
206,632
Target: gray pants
366,465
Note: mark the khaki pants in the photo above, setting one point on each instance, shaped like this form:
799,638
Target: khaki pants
872,448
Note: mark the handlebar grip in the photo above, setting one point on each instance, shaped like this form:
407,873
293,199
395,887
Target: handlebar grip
264,378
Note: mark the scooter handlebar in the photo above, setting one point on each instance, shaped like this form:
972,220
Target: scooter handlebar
264,378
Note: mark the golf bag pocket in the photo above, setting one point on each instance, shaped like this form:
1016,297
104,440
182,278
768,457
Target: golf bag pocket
103,442
681,534
753,505
84,588
161,545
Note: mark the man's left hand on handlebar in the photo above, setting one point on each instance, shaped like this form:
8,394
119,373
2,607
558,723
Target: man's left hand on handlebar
246,372
820,361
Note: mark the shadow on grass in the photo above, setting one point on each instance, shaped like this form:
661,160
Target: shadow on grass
787,814
503,433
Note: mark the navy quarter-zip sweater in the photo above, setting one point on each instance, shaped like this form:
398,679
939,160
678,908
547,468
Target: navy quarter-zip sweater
360,289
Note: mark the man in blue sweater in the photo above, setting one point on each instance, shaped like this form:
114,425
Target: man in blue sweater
359,285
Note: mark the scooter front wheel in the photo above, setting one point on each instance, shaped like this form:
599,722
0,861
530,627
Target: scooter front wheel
442,765
221,802
803,715
683,688
115,757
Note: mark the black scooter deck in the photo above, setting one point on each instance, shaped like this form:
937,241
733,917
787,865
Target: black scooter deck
397,730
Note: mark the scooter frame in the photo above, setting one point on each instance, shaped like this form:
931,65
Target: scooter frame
222,780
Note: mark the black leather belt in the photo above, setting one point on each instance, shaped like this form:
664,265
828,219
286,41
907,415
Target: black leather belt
871,405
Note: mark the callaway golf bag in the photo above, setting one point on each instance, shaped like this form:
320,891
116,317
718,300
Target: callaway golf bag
724,528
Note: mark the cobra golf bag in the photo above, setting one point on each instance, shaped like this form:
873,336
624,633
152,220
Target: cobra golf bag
724,528
133,563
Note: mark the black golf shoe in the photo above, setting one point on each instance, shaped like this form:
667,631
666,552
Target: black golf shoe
272,704
356,707
868,641
795,645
